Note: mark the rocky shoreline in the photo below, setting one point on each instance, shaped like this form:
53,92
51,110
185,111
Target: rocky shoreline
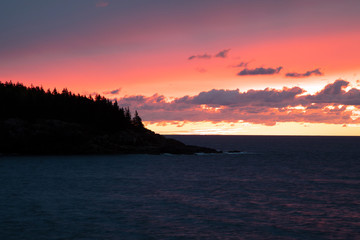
55,137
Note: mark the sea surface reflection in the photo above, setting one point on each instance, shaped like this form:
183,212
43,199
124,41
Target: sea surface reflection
272,193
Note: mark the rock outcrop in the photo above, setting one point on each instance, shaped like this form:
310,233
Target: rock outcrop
49,136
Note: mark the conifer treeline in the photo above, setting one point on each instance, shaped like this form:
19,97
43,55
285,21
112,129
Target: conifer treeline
19,101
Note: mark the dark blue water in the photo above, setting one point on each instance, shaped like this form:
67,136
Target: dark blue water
280,188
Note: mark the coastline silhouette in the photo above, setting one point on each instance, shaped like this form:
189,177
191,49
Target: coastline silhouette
35,121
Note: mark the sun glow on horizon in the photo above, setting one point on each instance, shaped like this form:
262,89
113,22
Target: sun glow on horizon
259,62
243,128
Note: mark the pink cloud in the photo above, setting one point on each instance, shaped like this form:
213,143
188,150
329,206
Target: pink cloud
330,105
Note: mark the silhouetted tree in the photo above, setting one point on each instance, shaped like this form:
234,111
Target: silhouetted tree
18,101
127,114
136,121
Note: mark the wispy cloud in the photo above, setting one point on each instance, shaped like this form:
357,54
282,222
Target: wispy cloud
306,74
242,64
223,53
260,71
204,56
113,92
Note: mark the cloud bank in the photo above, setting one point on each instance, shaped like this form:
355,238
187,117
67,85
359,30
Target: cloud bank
268,106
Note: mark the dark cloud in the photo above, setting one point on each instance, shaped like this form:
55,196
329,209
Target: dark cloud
204,56
306,74
335,88
113,92
335,93
242,64
223,53
260,71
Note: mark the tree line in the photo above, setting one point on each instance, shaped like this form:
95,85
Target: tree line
30,103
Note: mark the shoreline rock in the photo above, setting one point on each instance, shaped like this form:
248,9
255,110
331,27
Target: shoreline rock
55,137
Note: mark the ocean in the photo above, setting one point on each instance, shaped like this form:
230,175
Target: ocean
271,188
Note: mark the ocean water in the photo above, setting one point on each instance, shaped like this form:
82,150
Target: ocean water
275,188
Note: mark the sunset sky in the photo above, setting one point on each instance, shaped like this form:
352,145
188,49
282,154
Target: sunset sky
279,67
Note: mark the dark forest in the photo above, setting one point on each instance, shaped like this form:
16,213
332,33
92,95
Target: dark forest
35,121
19,101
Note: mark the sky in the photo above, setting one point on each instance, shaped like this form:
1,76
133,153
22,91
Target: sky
259,67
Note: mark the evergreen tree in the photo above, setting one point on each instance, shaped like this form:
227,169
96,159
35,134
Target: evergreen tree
136,121
127,114
18,101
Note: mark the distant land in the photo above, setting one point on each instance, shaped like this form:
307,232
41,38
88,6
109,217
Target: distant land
38,122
